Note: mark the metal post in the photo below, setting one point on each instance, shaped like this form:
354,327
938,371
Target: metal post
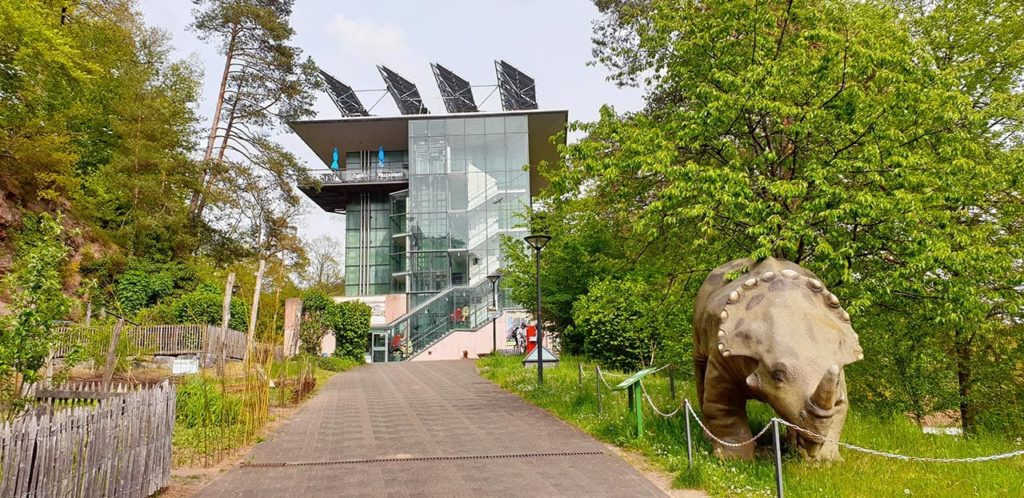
597,383
689,441
579,375
540,331
494,321
778,458
639,409
494,336
672,381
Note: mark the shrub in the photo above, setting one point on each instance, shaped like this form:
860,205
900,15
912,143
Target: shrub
335,363
349,322
203,305
200,403
625,324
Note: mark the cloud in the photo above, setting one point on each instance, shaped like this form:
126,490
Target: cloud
366,39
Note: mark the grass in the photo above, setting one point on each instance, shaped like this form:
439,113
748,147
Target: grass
859,475
203,436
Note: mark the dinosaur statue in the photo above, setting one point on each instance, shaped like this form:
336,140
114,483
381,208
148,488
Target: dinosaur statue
777,335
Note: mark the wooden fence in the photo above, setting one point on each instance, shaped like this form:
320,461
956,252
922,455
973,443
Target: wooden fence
117,445
169,340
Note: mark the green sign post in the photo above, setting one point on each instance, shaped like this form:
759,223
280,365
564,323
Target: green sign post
632,385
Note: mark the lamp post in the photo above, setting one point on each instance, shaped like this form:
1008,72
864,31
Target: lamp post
494,277
537,242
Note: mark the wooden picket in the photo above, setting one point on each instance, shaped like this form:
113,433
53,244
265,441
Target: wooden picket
169,340
115,446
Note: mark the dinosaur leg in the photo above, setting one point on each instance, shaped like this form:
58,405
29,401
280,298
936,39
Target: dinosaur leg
725,414
700,365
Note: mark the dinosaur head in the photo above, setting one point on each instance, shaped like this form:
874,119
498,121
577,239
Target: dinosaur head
800,338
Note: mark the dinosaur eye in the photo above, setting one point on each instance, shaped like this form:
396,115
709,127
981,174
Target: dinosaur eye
779,375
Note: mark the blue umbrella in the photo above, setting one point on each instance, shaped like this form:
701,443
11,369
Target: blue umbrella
380,156
334,164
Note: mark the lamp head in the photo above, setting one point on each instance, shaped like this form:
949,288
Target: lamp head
494,277
537,241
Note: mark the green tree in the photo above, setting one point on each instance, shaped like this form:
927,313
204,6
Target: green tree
264,84
876,143
37,301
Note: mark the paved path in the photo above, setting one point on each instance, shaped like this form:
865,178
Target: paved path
420,429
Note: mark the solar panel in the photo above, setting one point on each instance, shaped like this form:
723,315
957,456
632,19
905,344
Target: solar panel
455,91
343,96
406,96
518,92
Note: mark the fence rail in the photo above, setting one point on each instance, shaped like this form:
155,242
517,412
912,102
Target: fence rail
168,340
116,446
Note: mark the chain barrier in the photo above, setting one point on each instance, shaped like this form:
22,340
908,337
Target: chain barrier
600,374
708,433
897,456
655,408
819,437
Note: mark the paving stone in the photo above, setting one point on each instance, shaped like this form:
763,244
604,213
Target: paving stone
422,410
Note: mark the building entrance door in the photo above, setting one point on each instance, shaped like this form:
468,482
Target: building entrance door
379,347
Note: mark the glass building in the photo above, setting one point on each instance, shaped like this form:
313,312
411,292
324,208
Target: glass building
427,199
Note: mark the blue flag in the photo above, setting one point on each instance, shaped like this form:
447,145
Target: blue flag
334,165
380,157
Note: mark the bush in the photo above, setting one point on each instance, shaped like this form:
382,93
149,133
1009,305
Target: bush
348,321
335,363
203,305
625,324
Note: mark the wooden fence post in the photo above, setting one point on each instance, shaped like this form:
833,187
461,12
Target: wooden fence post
255,309
108,369
225,316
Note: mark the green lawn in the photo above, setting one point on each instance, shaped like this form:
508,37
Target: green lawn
664,442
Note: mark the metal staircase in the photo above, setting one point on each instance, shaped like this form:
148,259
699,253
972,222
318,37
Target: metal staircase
436,318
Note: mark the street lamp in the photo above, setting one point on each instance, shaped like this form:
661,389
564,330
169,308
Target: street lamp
537,242
494,277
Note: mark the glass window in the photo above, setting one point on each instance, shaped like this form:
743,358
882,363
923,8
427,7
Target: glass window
517,150
417,127
455,127
494,124
475,126
515,124
436,127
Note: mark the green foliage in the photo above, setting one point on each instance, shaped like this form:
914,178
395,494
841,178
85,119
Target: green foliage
336,363
878,144
37,300
349,321
664,442
625,324
201,403
204,305
137,289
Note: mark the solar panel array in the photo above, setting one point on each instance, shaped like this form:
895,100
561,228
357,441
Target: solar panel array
406,96
343,96
516,88
518,92
455,91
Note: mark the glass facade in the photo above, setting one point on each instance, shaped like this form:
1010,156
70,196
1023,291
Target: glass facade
467,181
368,246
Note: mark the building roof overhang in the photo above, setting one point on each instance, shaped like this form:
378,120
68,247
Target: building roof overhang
368,133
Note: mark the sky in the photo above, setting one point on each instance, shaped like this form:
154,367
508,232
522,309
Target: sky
549,40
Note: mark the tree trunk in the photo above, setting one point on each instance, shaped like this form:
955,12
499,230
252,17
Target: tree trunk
965,382
255,308
196,202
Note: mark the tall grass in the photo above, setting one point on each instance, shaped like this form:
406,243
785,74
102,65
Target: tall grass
859,475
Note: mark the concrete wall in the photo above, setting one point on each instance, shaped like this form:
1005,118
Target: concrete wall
475,342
